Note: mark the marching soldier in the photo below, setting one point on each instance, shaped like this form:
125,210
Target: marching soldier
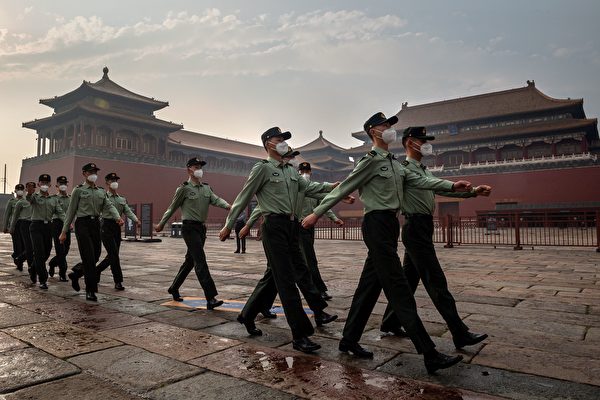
420,260
307,236
19,227
111,232
194,197
61,249
43,207
381,178
276,185
239,225
88,203
8,213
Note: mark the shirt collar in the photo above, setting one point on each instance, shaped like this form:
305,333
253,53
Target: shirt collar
191,182
275,162
380,151
413,161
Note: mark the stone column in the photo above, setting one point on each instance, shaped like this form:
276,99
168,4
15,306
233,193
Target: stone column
75,134
43,144
39,144
584,144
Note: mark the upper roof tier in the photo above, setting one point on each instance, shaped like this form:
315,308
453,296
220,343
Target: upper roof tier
104,86
319,143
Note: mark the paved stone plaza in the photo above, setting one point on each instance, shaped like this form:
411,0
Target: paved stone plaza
540,307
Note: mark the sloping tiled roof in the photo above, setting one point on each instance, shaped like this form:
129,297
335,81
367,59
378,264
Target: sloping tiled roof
107,86
214,143
318,144
78,108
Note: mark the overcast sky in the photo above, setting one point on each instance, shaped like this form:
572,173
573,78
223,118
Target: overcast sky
236,68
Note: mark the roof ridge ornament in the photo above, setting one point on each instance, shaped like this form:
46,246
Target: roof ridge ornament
530,83
105,71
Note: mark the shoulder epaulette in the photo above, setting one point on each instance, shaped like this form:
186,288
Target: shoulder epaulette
372,153
80,185
204,183
405,163
264,161
185,183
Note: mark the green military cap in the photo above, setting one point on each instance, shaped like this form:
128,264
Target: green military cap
195,161
379,119
90,167
62,179
305,166
417,132
44,178
112,177
20,186
273,132
291,153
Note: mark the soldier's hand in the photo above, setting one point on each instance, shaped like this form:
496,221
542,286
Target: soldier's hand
158,227
483,190
335,184
244,232
62,237
349,199
224,234
120,221
339,222
310,221
461,186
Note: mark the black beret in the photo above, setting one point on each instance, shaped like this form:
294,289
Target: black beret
379,119
305,166
112,177
273,132
195,161
90,167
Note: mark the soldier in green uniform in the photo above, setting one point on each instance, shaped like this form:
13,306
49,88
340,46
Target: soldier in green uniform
88,203
43,207
276,185
262,298
8,213
307,236
111,232
380,179
61,249
19,226
420,260
194,197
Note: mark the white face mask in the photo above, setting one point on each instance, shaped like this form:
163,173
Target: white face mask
294,163
92,178
114,185
19,193
306,176
426,149
62,188
389,135
198,173
282,148
44,188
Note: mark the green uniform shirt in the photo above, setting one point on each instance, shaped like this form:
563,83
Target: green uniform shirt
276,186
88,201
121,205
418,201
310,203
8,212
256,213
64,204
194,201
380,180
22,211
44,207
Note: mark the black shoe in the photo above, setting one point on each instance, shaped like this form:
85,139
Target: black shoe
91,296
119,286
323,318
355,348
243,251
250,326
19,265
326,296
268,314
175,294
440,361
396,331
74,281
468,339
305,345
51,271
43,286
237,251
62,277
213,303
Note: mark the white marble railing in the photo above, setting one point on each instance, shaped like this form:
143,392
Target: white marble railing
524,161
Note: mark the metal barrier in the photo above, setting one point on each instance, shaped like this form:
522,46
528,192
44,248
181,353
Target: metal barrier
516,229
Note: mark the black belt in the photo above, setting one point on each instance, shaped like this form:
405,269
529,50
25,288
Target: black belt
89,217
57,220
40,221
386,212
288,217
192,222
417,215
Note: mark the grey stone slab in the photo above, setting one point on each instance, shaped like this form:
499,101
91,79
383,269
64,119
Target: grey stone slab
171,341
82,386
22,295
192,319
14,316
271,337
60,339
210,385
25,367
135,307
8,342
134,368
510,385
